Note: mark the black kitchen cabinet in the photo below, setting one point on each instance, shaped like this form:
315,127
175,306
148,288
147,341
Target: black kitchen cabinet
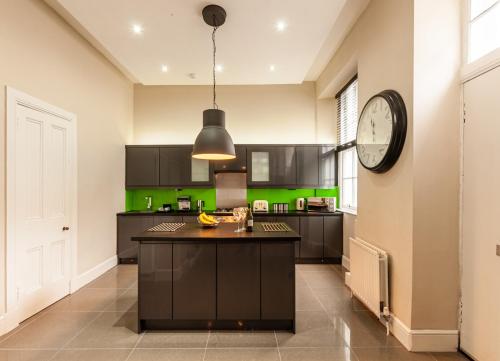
333,239
294,223
238,281
307,166
155,278
239,164
194,281
277,264
126,228
179,169
311,230
271,166
141,166
328,176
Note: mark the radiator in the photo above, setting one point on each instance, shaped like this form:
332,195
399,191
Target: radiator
369,277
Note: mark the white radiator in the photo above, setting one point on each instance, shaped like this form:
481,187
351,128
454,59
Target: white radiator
369,277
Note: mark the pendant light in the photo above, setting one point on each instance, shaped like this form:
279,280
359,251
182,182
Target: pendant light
214,142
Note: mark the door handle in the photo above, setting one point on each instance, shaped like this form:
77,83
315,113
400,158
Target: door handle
65,228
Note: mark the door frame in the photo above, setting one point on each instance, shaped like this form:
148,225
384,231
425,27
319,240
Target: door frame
14,98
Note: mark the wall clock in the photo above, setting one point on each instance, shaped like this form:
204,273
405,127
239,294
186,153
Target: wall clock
381,131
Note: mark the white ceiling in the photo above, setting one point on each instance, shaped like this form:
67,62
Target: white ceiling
247,44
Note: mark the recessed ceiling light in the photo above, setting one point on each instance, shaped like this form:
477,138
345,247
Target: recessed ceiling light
164,68
272,67
137,29
219,68
280,26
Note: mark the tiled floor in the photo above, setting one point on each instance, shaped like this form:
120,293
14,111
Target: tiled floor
98,323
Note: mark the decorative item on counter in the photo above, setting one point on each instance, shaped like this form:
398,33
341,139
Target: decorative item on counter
239,214
280,207
249,220
167,207
300,204
200,204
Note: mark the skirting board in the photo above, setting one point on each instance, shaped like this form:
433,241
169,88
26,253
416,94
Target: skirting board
90,275
424,340
346,263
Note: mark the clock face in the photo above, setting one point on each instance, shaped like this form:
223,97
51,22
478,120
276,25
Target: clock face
375,132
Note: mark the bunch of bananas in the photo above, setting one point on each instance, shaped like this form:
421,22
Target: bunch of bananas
207,220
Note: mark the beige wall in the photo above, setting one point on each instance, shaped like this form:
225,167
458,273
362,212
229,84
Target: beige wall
412,210
254,113
436,163
44,57
381,45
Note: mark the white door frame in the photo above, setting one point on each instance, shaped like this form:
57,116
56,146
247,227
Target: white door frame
14,98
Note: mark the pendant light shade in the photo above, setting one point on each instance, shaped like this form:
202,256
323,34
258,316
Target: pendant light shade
214,142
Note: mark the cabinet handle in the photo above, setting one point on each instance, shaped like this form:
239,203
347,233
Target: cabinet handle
65,228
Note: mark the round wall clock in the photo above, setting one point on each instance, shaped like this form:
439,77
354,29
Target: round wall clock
381,131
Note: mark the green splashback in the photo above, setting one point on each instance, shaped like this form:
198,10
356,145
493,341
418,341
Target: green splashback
289,195
135,198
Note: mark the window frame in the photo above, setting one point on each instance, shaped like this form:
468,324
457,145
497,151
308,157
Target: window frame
352,209
488,61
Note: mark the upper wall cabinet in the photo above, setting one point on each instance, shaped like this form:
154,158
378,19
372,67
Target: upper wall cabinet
142,166
271,166
179,169
239,164
307,166
327,166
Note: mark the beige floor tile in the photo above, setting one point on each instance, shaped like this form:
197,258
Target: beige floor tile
109,330
171,339
114,279
26,355
312,267
319,337
390,354
92,355
324,279
449,356
317,354
259,354
306,301
87,300
52,330
308,320
125,302
167,355
222,339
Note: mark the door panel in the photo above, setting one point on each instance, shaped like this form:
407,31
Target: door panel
307,166
480,329
311,230
43,206
142,166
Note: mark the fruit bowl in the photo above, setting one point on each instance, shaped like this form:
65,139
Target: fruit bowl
207,221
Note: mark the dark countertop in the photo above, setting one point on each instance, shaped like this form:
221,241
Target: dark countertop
256,214
224,232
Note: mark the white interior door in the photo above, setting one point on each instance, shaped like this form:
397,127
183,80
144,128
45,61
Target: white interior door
43,209
480,329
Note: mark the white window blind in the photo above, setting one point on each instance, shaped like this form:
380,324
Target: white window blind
347,113
349,179
484,27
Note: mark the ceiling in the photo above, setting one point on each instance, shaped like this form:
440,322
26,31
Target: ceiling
248,44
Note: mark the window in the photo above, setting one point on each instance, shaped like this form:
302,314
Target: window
483,27
347,124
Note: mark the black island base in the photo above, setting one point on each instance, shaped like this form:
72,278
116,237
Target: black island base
196,278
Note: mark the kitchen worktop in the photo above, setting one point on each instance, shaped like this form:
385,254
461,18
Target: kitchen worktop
256,214
224,231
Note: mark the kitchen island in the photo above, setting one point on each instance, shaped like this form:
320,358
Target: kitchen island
198,278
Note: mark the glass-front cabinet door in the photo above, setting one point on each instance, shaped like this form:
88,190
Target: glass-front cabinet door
200,170
260,167
271,166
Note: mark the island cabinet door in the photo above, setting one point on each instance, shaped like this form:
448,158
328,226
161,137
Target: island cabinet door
155,281
294,223
278,280
311,230
194,281
129,226
238,281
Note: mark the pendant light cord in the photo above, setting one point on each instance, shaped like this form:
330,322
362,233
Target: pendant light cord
213,68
